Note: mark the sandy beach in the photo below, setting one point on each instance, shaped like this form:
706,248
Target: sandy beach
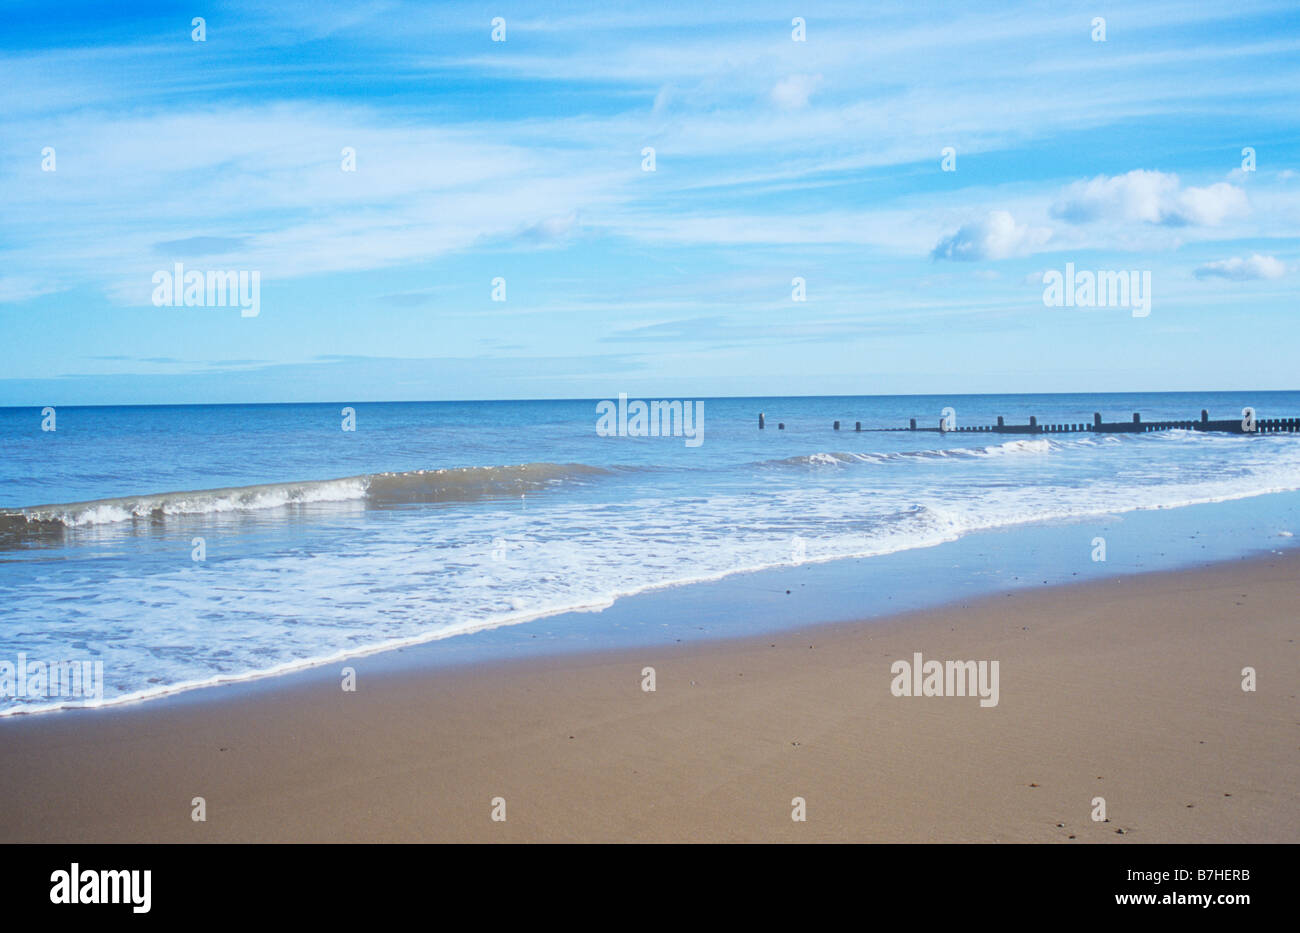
1128,689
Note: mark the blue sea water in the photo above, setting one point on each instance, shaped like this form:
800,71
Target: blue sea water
436,519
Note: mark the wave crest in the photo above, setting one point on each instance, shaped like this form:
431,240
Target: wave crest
460,484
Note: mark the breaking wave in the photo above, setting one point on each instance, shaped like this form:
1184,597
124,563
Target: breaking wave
463,484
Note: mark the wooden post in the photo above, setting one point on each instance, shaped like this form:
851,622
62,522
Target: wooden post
1205,416
1137,418
911,424
837,426
761,419
1000,424
858,426
1096,419
1033,421
780,425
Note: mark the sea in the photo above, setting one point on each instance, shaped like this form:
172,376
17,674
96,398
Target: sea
190,545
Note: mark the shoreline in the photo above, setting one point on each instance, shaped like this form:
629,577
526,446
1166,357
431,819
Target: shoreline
1127,687
751,602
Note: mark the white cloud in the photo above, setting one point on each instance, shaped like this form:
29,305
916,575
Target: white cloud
1142,196
995,236
793,91
1240,269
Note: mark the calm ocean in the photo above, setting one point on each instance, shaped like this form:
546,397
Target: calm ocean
441,518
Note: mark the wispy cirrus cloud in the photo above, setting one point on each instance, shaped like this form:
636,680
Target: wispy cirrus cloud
201,246
1243,268
523,159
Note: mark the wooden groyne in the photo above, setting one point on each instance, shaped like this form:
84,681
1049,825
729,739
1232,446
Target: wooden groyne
1246,424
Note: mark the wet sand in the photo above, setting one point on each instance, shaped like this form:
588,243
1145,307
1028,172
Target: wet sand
1127,689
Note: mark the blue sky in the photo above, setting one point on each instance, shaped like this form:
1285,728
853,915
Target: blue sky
522,159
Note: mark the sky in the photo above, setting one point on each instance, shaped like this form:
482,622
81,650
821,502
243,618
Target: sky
918,167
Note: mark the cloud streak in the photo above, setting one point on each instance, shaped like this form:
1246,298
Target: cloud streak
1243,268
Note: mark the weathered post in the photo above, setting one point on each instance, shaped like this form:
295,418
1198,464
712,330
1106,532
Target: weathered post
837,426
761,419
780,425
1096,419
1033,421
1000,423
911,424
1137,418
857,425
1205,416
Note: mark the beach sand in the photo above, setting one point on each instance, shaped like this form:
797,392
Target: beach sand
1127,689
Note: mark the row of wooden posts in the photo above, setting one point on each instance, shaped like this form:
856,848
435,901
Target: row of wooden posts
1247,424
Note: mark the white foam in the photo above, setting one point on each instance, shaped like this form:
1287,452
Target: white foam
427,574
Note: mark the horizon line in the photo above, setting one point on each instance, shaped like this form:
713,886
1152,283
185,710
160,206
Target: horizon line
452,401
